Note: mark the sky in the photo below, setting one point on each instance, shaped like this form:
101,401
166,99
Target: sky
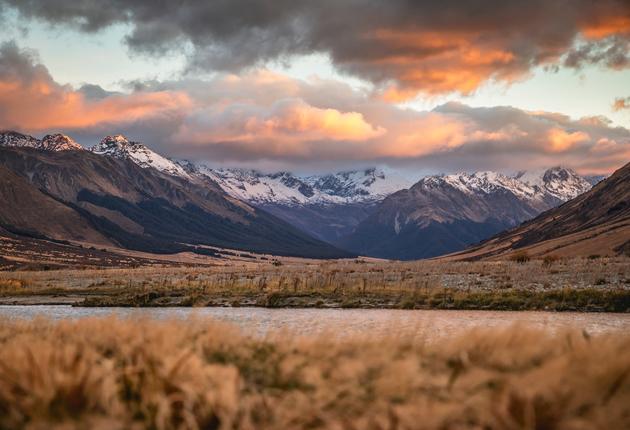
320,86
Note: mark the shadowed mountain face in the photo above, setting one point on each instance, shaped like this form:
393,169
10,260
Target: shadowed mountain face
82,196
597,222
443,214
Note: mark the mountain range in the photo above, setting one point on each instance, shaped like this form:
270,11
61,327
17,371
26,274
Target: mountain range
592,224
114,195
122,193
447,213
327,207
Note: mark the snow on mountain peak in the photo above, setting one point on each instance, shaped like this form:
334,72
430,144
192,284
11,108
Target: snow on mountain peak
50,142
285,188
118,146
559,182
59,142
369,184
13,138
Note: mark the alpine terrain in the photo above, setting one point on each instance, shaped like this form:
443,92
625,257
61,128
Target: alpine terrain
327,206
595,223
447,213
122,194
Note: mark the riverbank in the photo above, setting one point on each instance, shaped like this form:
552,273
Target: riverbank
595,284
196,374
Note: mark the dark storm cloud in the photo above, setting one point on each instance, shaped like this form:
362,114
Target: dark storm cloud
402,46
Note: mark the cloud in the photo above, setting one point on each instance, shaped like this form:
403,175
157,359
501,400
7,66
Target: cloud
403,47
262,118
31,100
621,103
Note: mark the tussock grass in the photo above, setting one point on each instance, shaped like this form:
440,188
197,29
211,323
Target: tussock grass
109,373
557,284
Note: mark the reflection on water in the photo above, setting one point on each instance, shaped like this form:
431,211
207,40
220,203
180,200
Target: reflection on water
340,322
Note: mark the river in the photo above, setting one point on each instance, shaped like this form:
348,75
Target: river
340,322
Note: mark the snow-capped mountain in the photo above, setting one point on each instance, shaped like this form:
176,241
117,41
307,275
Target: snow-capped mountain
13,138
118,146
375,211
325,206
481,182
50,142
446,213
59,142
104,200
559,182
284,188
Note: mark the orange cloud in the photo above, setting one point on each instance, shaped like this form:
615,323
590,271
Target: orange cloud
289,127
439,62
44,106
621,103
299,118
561,140
606,27
271,117
31,100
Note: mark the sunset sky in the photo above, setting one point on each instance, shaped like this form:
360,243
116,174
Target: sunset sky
312,86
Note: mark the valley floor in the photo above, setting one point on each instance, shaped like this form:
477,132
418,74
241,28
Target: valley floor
583,284
202,374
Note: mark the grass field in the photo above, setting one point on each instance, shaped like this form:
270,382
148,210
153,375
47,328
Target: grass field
588,284
120,374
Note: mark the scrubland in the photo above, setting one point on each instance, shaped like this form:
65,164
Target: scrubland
120,374
589,284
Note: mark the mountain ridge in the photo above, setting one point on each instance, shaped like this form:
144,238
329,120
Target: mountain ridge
446,213
139,207
594,223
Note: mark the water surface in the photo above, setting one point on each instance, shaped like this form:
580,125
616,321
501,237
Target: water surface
340,322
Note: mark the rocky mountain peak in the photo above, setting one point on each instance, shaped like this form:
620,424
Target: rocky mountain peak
285,188
118,146
50,142
13,138
560,182
59,142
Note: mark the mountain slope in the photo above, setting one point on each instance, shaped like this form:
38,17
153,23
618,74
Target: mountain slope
141,208
597,222
28,211
443,214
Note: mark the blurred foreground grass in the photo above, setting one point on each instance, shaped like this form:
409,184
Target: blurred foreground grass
119,374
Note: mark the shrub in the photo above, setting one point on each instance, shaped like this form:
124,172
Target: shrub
520,257
549,260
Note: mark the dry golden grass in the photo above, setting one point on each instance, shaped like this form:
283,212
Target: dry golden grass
115,374
551,283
